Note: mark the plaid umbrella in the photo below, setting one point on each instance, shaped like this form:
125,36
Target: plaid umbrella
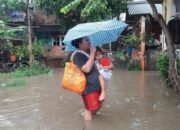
99,33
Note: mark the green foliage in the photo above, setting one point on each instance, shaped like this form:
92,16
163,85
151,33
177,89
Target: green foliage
72,12
51,7
132,40
18,77
70,6
117,6
163,65
37,69
21,51
8,6
7,33
119,54
9,81
178,67
16,83
24,71
134,65
97,9
8,46
150,40
38,48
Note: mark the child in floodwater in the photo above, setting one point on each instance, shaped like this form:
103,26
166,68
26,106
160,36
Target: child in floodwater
105,67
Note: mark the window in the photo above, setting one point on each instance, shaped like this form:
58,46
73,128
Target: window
57,40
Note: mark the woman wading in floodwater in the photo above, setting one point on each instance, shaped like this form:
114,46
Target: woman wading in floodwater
84,59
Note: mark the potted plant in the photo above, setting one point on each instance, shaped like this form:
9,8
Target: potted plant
150,41
13,57
133,41
11,48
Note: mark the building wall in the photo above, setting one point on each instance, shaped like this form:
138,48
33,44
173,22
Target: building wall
47,39
177,3
167,9
170,8
50,40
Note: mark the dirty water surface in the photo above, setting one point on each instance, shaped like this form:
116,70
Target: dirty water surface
135,101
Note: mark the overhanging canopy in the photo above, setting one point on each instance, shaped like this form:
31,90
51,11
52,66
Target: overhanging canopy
142,8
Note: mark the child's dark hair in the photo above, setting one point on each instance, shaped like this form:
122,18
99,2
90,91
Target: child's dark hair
76,42
99,49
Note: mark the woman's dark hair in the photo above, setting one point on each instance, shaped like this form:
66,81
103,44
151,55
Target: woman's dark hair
99,49
76,42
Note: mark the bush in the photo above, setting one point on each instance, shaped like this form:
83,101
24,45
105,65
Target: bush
132,40
17,78
38,48
134,65
37,69
119,54
163,65
17,83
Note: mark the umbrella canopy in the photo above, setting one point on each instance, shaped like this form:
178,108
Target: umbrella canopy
99,33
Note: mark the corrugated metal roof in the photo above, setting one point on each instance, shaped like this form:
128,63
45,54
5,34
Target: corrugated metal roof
142,8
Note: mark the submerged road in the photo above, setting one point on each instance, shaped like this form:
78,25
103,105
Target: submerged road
135,101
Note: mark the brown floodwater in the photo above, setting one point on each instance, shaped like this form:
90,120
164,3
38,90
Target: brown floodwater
135,101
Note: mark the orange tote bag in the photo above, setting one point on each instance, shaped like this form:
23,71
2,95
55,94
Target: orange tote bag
73,79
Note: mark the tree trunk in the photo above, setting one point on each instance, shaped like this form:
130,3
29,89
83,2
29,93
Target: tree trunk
29,35
172,73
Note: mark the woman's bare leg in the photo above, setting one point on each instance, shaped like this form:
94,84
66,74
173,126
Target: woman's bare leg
87,115
103,93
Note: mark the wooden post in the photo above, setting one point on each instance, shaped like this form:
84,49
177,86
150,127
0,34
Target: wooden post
29,36
143,24
110,47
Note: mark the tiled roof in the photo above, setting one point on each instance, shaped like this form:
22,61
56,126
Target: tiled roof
142,8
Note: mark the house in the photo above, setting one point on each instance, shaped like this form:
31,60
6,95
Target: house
137,9
170,9
139,17
46,28
171,14
17,21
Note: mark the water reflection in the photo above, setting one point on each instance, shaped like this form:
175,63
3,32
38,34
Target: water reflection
142,84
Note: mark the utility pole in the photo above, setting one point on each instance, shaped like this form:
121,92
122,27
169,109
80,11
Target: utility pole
29,36
143,27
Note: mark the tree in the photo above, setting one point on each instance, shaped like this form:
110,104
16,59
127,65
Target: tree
29,34
16,5
172,73
52,7
95,10
7,6
77,11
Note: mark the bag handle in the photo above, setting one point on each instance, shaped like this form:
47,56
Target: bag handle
82,52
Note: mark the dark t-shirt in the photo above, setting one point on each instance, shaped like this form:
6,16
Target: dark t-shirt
92,77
